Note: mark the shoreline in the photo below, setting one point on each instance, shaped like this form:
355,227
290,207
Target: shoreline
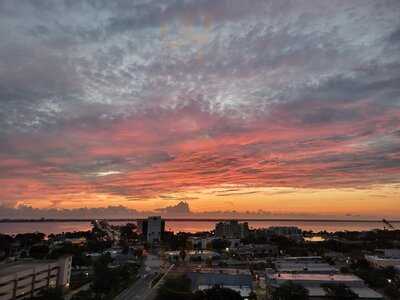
194,220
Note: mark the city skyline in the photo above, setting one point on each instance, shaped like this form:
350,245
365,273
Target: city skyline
286,107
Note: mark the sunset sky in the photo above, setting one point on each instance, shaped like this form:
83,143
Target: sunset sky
282,106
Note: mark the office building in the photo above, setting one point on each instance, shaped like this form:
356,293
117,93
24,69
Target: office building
152,228
25,279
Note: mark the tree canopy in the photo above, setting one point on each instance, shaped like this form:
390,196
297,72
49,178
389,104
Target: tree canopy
290,291
217,293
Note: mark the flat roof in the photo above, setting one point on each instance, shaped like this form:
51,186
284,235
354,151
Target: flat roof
362,292
365,292
299,257
379,258
211,279
315,291
12,268
282,266
314,277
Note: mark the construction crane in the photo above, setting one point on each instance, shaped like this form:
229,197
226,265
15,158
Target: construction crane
386,223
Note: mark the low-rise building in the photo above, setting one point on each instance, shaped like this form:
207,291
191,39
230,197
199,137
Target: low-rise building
314,283
202,243
258,250
310,268
194,255
300,259
382,262
384,258
25,279
290,232
241,283
389,253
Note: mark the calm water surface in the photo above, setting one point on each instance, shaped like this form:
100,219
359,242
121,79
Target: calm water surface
192,226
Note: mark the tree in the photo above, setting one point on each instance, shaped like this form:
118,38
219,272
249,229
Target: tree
83,295
253,295
39,251
108,282
5,245
392,291
182,254
219,244
51,294
128,232
290,291
103,276
29,239
177,288
217,293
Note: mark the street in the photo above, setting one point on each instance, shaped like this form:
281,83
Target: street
141,289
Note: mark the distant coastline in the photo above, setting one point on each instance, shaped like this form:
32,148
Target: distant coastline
43,220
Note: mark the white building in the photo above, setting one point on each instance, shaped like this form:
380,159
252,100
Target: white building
155,228
21,280
313,282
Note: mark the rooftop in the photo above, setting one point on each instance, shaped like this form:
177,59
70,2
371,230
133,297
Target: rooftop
315,277
362,292
311,267
22,265
379,258
211,279
12,268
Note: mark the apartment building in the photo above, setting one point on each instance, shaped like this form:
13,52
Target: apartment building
232,229
25,279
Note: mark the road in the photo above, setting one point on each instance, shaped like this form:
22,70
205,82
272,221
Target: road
141,289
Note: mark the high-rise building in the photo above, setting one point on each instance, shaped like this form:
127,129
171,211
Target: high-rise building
152,228
231,229
25,279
